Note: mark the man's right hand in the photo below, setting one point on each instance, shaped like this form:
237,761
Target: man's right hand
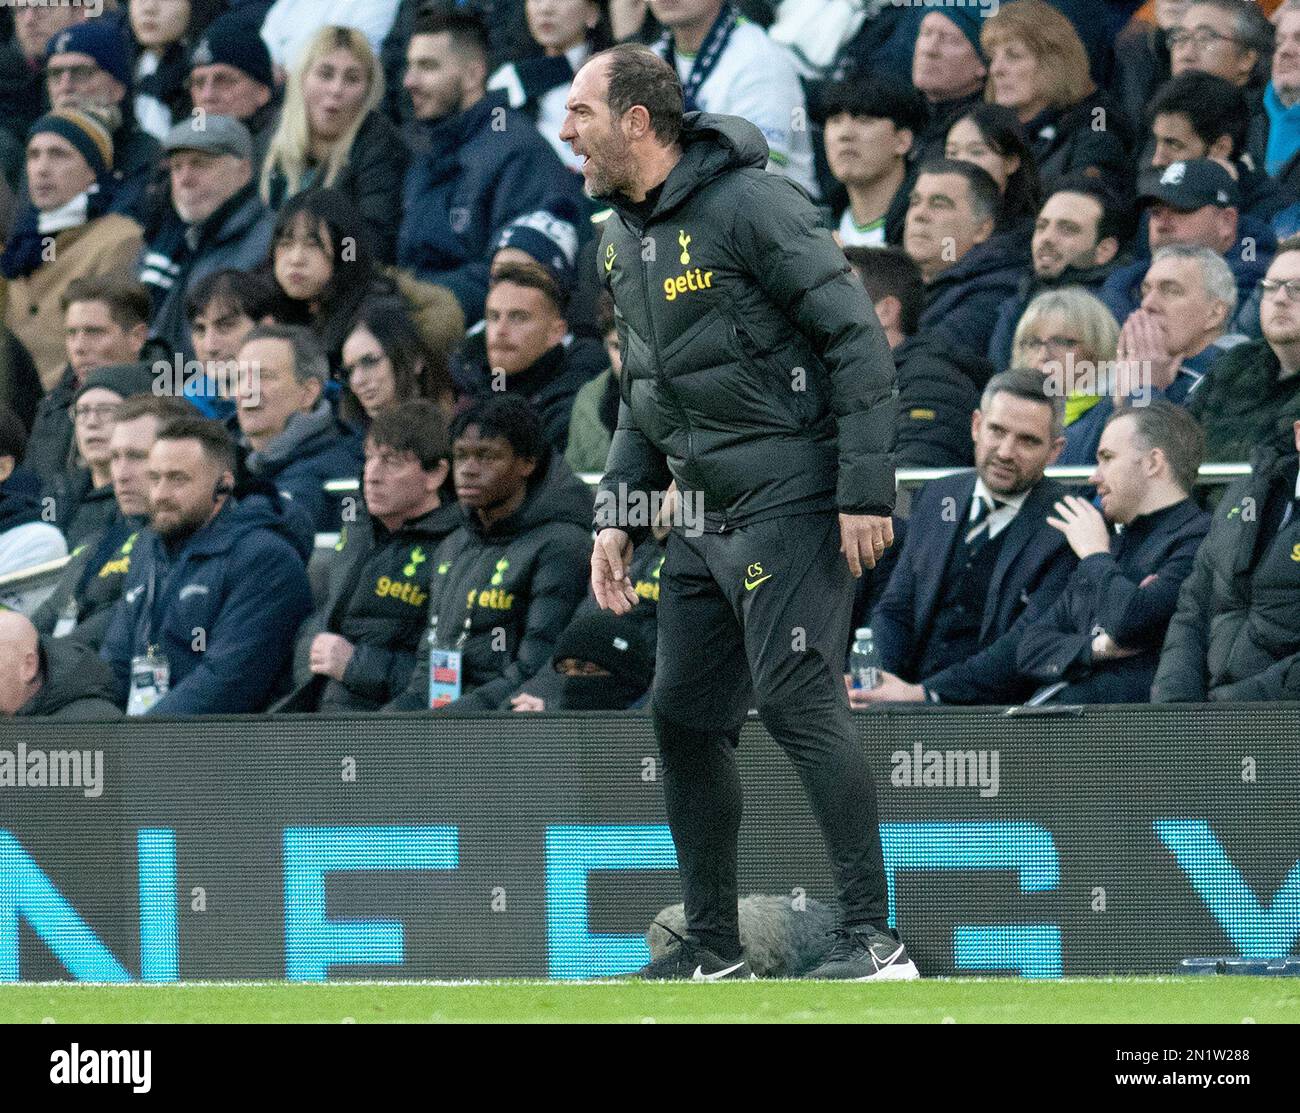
610,583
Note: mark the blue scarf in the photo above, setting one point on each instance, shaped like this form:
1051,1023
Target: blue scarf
25,251
1283,131
715,42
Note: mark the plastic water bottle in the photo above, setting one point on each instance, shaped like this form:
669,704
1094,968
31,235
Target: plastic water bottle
864,661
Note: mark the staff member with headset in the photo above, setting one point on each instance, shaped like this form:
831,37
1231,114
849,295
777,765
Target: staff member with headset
756,375
216,590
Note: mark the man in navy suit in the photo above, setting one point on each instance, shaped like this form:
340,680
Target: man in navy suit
979,552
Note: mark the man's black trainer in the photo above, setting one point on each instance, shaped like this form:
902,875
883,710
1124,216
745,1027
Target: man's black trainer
689,960
865,954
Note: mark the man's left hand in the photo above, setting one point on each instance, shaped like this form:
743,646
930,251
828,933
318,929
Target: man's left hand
891,689
330,655
864,539
1084,527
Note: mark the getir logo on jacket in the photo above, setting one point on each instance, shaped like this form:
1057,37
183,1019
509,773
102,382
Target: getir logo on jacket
410,593
692,280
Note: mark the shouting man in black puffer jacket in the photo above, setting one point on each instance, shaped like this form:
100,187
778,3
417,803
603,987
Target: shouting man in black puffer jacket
756,375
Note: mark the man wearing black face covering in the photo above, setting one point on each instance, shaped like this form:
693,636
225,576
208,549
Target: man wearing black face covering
1236,633
605,663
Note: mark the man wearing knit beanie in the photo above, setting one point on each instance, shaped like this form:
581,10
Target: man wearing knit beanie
540,237
88,66
231,75
949,70
64,232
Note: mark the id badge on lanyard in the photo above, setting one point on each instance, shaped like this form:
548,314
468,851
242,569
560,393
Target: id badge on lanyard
150,680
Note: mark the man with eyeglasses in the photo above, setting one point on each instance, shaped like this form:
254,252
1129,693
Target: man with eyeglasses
1253,392
231,75
22,61
89,66
1232,40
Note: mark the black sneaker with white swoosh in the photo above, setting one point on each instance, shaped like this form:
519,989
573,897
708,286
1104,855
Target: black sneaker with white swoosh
866,954
690,961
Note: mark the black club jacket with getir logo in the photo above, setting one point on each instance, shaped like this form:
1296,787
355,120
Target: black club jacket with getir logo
754,369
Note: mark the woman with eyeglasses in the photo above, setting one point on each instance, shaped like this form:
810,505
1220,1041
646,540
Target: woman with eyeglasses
386,364
162,31
332,135
1071,338
1038,67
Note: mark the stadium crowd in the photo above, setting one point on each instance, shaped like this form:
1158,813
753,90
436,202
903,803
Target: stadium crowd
253,248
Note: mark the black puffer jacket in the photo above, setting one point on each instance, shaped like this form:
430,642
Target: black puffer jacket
1091,136
1243,404
754,370
1236,633
521,578
377,599
938,390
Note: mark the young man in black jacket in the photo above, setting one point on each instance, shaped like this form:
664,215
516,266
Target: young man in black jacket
357,651
756,376
505,584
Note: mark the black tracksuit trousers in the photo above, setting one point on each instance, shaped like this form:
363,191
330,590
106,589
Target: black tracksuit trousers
759,616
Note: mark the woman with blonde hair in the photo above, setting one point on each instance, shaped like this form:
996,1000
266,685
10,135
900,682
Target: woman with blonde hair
1071,338
331,135
1039,68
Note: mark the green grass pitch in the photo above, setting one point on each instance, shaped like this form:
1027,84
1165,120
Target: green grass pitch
1231,1000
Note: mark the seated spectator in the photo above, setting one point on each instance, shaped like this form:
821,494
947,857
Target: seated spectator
968,274
484,166
728,65
81,503
521,558
216,221
63,233
1282,97
387,366
550,240
105,321
357,650
322,268
590,670
1070,338
1039,68
20,384
162,31
938,387
1076,240
91,584
43,679
1253,392
1171,341
1142,60
1194,203
89,67
290,24
949,70
1233,41
1099,641
979,552
595,406
230,74
220,566
568,32
991,137
222,308
870,130
1199,115
529,351
26,540
21,62
293,437
331,135
1234,636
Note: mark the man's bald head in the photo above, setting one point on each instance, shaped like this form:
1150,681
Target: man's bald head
20,662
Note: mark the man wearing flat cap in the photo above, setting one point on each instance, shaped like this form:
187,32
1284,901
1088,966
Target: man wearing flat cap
217,220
